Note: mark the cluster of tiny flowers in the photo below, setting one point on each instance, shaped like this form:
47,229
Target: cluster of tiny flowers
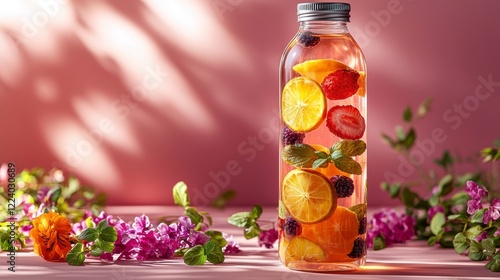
142,241
476,194
390,226
268,237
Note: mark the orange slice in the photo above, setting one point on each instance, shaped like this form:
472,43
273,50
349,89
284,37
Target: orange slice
336,234
330,170
301,249
303,104
308,195
362,84
318,69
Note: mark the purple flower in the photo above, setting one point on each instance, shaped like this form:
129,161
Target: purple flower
42,194
493,211
142,223
475,191
497,233
434,210
481,236
232,247
393,228
268,237
473,205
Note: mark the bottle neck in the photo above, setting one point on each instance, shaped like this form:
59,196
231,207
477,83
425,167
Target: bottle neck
325,27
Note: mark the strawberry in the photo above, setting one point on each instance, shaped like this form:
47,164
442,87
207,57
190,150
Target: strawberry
346,122
340,84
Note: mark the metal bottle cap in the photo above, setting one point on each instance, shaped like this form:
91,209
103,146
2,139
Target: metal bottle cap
330,11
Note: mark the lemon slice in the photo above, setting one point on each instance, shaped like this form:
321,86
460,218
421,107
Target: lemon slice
303,105
308,196
301,249
318,69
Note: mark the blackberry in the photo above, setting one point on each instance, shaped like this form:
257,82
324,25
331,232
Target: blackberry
362,226
343,185
290,137
358,249
308,40
292,227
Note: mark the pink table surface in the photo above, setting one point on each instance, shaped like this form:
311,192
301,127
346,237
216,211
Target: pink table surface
413,260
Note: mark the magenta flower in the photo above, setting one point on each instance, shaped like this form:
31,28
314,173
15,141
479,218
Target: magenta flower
481,236
493,211
475,191
473,206
390,226
232,247
268,237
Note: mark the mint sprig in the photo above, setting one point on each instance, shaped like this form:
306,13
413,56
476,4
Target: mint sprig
341,154
199,254
103,238
247,221
181,198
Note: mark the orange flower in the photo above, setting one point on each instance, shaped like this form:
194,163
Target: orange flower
51,236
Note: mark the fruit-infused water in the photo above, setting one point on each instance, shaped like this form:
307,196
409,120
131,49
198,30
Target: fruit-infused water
322,207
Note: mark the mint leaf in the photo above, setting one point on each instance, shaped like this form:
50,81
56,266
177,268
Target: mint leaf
459,217
106,237
252,231
360,210
214,252
445,185
281,210
54,194
89,234
241,219
348,165
96,251
407,114
378,243
476,251
437,223
256,211
222,199
216,236
180,194
432,240
460,243
473,232
494,264
321,154
193,214
350,148
488,247
478,216
195,256
299,155
321,162
76,256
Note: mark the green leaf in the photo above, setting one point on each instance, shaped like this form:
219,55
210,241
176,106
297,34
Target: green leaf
478,216
488,247
360,210
473,232
321,154
494,264
195,256
214,252
222,199
256,211
106,237
432,240
180,194
437,223
252,231
89,222
446,239
387,139
96,251
424,108
378,243
348,165
350,148
54,194
207,217
446,160
321,162
193,214
460,243
89,234
476,251
282,213
400,133
445,185
409,139
299,155
409,198
459,217
76,256
407,114
241,219
216,236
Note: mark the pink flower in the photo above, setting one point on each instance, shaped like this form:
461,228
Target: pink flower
475,191
493,211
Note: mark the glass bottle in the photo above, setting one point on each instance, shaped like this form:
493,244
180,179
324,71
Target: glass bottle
322,206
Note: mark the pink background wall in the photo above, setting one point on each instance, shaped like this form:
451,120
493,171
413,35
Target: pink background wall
135,97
